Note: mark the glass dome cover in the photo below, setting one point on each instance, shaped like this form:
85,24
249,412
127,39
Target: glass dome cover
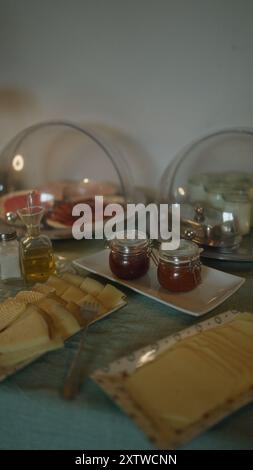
63,164
222,157
215,173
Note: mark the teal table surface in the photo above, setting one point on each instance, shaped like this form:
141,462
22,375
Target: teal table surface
33,415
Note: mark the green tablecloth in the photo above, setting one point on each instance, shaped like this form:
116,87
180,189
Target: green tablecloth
34,416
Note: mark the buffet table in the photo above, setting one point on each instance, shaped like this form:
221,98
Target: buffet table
33,414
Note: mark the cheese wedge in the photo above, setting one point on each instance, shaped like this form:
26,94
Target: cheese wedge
10,310
29,296
53,331
110,297
91,286
73,294
88,298
58,299
58,284
43,288
14,358
65,323
29,331
73,279
74,309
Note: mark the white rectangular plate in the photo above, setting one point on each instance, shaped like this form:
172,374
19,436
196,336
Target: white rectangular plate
216,286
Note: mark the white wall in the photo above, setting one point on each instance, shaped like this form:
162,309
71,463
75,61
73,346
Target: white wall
162,72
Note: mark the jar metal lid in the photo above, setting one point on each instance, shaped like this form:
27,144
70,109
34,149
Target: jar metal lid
185,253
131,242
7,234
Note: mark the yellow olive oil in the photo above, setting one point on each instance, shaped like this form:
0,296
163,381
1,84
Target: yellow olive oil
38,264
36,251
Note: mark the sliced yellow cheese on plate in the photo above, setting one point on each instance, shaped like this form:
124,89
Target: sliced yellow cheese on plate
29,296
10,310
72,294
110,297
74,279
14,358
29,331
88,298
58,284
194,377
43,288
64,321
92,286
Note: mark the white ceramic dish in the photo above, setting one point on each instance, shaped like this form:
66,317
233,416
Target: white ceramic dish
216,285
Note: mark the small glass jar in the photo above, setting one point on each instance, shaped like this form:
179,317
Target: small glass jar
129,258
9,255
179,270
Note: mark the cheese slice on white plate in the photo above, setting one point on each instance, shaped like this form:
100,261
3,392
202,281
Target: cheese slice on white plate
195,377
72,294
110,297
92,286
74,279
29,331
14,358
60,285
75,310
65,323
87,299
10,310
43,288
29,296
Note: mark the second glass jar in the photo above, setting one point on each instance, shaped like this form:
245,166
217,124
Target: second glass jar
179,270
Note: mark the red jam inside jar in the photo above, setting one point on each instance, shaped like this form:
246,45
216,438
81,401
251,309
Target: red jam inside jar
129,259
180,270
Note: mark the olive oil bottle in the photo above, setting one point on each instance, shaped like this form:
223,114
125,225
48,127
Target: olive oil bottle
36,252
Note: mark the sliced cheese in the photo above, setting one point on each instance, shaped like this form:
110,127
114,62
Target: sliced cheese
29,296
29,331
74,309
43,288
73,279
53,331
73,294
14,358
194,377
110,297
65,323
88,299
91,286
58,284
10,310
58,299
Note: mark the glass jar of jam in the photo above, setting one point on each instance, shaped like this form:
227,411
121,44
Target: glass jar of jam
179,270
129,258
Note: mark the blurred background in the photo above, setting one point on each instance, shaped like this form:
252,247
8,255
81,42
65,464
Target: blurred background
154,73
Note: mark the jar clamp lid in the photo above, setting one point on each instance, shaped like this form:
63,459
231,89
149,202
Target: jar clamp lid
185,253
123,244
